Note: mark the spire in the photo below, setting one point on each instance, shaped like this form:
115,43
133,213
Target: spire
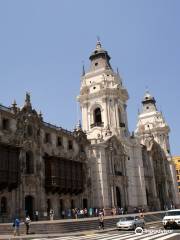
14,104
27,104
118,71
28,99
14,107
83,70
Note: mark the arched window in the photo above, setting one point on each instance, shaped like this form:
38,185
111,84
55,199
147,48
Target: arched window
29,163
3,205
121,123
97,116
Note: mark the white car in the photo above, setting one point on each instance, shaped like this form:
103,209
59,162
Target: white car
131,222
172,219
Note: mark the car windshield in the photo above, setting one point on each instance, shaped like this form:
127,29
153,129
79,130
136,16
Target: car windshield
126,219
173,213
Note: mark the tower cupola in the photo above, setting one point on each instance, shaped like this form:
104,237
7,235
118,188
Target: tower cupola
99,58
149,103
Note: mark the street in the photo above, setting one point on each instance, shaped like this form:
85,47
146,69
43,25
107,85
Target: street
152,232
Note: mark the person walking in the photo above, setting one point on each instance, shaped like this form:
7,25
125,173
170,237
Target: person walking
16,226
36,213
27,223
51,214
101,221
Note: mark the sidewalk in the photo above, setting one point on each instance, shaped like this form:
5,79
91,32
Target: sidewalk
88,232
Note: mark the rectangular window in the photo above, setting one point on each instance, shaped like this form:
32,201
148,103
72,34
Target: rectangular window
177,177
5,124
178,183
47,138
70,145
59,141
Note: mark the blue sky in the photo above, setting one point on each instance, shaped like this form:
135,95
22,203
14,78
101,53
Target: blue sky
43,44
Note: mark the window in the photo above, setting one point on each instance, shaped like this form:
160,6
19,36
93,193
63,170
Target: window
5,124
147,107
96,64
30,130
59,141
29,163
3,205
177,177
47,138
94,87
70,145
97,115
178,183
179,189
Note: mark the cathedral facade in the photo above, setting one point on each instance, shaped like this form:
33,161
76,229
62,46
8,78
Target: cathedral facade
127,170
100,165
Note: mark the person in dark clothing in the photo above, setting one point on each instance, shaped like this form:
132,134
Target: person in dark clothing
27,223
101,221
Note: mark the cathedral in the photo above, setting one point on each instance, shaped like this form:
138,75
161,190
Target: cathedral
98,165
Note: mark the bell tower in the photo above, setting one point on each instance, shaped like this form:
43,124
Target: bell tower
151,123
102,98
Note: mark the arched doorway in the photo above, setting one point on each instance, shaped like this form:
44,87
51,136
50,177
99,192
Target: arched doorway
29,206
118,197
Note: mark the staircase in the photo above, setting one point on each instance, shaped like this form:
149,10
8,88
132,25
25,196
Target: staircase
73,225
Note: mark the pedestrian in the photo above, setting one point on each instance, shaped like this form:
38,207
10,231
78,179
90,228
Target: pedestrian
36,215
141,214
90,212
96,212
76,213
85,212
51,214
16,226
101,221
122,211
27,223
63,214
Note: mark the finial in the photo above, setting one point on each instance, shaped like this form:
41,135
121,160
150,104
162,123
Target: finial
14,104
40,115
83,69
28,98
147,89
98,44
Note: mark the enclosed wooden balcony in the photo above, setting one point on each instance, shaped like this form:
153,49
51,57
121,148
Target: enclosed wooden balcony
63,175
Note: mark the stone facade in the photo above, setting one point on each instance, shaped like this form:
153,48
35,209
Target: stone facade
42,166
